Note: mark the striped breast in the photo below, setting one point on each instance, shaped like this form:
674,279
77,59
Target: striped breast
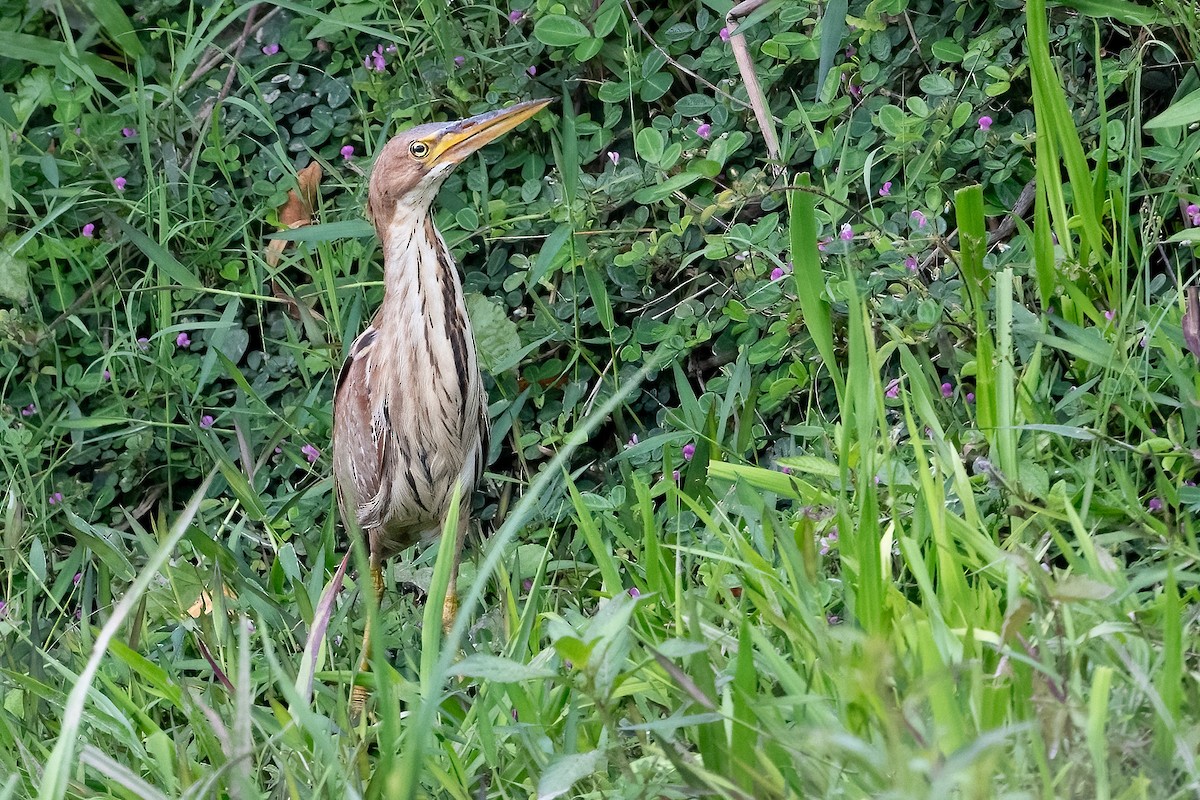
410,413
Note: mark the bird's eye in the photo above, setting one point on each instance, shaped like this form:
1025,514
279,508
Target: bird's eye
418,149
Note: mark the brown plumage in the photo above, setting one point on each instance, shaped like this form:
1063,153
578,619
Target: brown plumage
410,413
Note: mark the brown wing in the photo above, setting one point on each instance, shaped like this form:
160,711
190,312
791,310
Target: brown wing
358,455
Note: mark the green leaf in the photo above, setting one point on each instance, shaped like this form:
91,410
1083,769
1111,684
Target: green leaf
560,776
496,337
1181,112
652,194
159,256
497,669
655,86
556,30
649,145
548,255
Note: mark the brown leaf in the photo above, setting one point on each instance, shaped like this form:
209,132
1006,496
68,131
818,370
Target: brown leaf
297,211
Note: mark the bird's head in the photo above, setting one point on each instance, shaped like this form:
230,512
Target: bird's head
411,167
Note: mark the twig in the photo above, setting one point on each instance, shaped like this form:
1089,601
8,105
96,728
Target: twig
758,101
214,58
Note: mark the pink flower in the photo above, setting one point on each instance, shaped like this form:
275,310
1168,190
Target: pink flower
855,90
270,49
29,410
886,189
516,15
892,391
689,450
206,421
634,593
704,130
1155,504
821,244
919,218
675,475
348,152
129,133
391,48
911,263
633,439
183,340
947,390
1110,315
311,453
614,157
106,375
120,183
1193,212
76,578
89,230
56,498
724,34
847,233
985,122
532,71
375,61
970,397
460,60
777,273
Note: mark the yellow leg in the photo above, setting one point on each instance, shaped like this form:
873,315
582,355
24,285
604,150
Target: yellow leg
358,695
450,606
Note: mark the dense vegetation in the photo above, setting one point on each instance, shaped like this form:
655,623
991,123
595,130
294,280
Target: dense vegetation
864,471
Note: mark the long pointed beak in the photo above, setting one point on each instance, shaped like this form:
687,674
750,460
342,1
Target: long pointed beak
460,139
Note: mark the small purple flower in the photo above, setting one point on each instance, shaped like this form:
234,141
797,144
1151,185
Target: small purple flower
106,375
947,390
704,130
516,15
311,453
918,218
29,410
1110,315
120,183
129,133
777,273
375,61
886,189
614,157
56,498
821,244
206,421
634,593
970,398
1155,505
348,151
89,230
892,391
143,343
76,578
460,60
1193,212
391,48
724,34
532,70
846,233
270,49
689,450
633,439
183,340
514,715
675,475
855,90
910,264
985,122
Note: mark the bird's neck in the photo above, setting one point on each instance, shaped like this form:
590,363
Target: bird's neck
419,276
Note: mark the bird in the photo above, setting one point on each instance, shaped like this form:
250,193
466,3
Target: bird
410,421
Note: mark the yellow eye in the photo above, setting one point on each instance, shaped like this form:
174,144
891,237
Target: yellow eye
418,149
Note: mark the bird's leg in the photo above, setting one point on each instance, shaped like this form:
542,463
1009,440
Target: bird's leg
358,695
450,606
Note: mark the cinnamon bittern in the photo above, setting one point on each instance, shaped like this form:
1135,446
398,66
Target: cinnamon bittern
410,416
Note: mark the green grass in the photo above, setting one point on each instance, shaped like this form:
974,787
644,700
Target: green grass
772,512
